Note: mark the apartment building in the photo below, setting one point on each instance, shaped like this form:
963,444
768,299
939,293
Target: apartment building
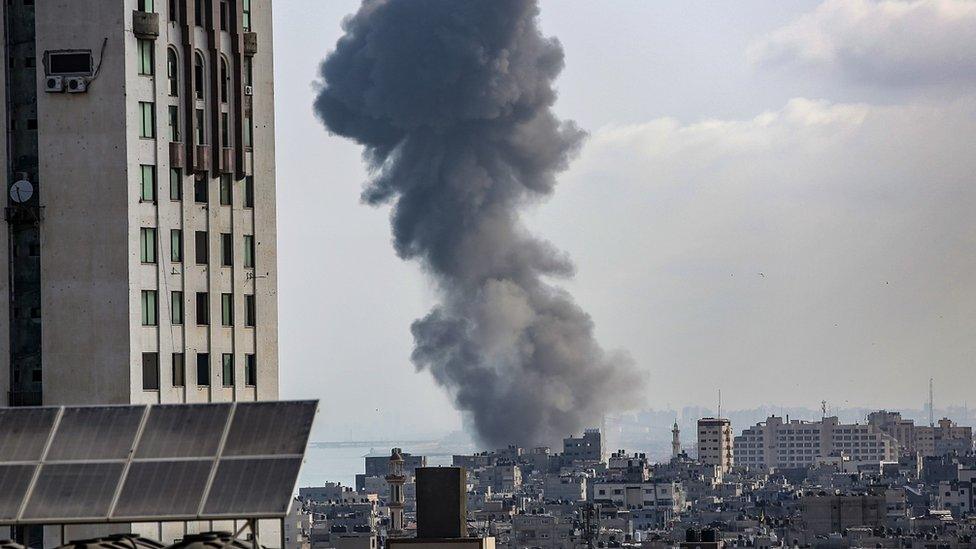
937,440
787,444
140,219
715,443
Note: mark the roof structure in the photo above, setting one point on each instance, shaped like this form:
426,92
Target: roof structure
155,463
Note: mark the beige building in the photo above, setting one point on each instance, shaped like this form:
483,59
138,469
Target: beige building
139,240
937,440
775,443
141,217
715,443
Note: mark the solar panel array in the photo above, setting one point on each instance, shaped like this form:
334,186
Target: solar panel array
158,463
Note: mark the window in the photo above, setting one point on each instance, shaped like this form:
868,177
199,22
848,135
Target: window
250,370
224,80
198,12
179,370
176,308
247,131
149,308
176,245
198,75
248,251
173,121
150,371
200,247
248,72
201,128
146,57
227,309
147,188
225,129
175,184
203,369
226,190
147,245
203,309
224,14
249,191
173,10
147,113
200,189
246,22
146,6
250,314
227,250
173,71
227,369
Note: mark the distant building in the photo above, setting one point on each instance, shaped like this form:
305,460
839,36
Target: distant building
939,440
589,447
715,443
378,466
828,514
795,444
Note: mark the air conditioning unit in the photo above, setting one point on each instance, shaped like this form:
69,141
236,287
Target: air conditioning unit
76,84
248,90
54,84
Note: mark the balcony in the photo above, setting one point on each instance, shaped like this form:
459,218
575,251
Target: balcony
201,159
145,25
250,43
177,155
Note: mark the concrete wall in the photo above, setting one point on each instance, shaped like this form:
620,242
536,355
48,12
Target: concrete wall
82,139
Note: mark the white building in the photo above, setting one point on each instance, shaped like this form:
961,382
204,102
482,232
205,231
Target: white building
142,229
715,443
140,205
775,443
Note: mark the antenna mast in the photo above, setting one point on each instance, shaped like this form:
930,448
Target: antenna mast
931,404
823,409
720,404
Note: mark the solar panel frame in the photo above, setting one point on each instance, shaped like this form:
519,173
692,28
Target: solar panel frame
26,432
112,475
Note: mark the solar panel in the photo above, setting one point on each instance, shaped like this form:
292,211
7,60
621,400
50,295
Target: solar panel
24,432
183,431
269,428
191,462
247,486
76,490
14,481
95,433
163,487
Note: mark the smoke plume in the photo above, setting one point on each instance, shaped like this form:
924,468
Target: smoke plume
452,101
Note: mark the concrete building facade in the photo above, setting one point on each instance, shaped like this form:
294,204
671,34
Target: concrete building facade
715,443
143,262
791,444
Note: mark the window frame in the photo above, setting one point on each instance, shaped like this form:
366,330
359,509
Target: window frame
202,308
227,367
227,310
176,184
177,313
150,371
147,183
147,120
203,370
148,250
250,311
176,245
146,58
178,369
150,307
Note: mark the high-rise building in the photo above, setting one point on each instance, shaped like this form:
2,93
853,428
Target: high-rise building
789,444
139,235
715,443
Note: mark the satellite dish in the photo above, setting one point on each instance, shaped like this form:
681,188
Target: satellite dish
21,191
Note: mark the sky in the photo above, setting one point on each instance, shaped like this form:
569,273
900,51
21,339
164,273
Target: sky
774,199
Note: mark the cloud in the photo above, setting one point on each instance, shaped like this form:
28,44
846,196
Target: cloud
832,242
887,43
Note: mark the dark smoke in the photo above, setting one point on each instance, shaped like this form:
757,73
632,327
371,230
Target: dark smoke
452,101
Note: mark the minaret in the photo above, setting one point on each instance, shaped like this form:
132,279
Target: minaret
395,479
675,440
